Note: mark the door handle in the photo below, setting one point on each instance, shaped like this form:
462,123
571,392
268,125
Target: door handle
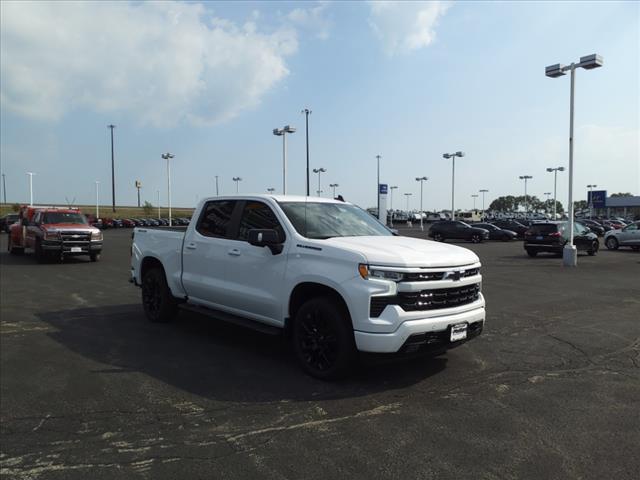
191,246
234,252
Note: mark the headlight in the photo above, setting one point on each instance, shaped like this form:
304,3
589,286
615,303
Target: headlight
51,235
96,236
366,272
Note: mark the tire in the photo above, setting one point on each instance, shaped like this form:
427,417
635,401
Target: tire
438,237
612,243
475,238
94,257
13,250
159,304
595,246
322,337
532,253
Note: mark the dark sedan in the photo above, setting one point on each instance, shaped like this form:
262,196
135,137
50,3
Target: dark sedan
497,233
551,237
447,229
512,225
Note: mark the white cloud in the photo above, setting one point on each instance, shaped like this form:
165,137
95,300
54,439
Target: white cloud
161,62
313,19
406,26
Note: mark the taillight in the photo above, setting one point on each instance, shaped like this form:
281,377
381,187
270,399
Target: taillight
528,232
555,234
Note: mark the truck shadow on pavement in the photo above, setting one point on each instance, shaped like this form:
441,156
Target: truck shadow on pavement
214,359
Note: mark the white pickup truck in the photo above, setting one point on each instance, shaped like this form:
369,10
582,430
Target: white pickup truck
324,271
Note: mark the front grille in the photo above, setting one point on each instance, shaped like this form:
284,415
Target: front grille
427,299
431,276
75,237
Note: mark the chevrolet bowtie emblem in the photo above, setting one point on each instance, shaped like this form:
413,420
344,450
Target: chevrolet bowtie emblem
452,275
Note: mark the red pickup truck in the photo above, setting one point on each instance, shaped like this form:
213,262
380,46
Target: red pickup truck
52,232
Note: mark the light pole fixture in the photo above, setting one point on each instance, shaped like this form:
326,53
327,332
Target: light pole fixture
474,196
217,186
378,157
453,179
483,191
31,174
555,187
306,112
589,62
237,180
113,172
408,195
271,190
168,156
421,180
526,200
591,187
319,171
97,199
334,185
282,132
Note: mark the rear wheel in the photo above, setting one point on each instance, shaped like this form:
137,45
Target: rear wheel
594,248
158,303
531,253
438,237
475,238
612,243
323,339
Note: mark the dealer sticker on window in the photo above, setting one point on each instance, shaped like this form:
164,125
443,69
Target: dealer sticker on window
458,332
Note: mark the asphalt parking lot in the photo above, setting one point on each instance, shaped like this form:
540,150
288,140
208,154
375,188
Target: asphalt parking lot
89,389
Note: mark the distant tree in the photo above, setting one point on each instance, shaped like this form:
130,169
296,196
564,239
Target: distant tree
621,194
504,204
148,208
15,207
580,205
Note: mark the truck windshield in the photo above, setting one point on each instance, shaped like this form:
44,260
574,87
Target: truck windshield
326,220
63,217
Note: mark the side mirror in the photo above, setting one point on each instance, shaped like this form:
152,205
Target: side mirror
265,238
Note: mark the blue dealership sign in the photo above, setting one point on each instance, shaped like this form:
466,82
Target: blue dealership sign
598,198
383,188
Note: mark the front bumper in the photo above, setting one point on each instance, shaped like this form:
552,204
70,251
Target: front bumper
75,248
427,332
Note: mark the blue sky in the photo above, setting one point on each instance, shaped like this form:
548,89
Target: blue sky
409,81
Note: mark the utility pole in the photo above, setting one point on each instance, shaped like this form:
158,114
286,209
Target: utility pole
4,188
378,185
306,111
158,192
113,174
138,187
217,194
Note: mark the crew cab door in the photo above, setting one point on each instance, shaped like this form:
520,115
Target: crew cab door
255,275
205,252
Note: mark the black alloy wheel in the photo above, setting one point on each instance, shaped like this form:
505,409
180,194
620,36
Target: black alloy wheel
476,238
158,303
612,243
594,248
323,339
438,237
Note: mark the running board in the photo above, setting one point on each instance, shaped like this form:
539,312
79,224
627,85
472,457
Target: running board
233,319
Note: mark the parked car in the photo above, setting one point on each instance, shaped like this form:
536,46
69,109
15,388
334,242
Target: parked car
512,225
629,236
54,233
323,270
497,233
128,223
448,229
551,237
8,220
594,226
116,223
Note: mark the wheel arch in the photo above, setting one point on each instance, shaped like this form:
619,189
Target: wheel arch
149,263
307,290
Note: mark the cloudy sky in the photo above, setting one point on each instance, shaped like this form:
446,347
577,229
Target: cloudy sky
409,81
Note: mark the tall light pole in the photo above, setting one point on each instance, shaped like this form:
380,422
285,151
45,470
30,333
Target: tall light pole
421,180
31,174
378,157
453,179
138,185
282,132
408,195
4,188
555,188
306,112
591,187
526,200
237,180
271,190
97,199
570,254
319,171
334,185
483,191
113,172
474,196
217,185
168,156
158,192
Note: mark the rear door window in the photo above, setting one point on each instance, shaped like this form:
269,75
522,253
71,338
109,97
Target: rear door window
216,219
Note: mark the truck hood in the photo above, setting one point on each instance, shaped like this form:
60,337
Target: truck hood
405,251
69,226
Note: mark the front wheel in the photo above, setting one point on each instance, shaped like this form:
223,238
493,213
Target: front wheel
323,339
475,238
438,237
158,303
531,253
40,254
94,257
594,248
612,243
